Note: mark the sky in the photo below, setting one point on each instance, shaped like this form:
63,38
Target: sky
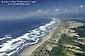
41,8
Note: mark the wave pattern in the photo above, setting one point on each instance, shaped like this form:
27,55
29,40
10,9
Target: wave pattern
11,47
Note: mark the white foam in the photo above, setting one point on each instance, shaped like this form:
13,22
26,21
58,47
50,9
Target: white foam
2,38
8,36
19,42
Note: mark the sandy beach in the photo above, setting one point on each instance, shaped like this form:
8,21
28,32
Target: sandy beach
28,51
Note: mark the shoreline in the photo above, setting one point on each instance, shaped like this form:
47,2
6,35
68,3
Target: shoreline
29,49
16,45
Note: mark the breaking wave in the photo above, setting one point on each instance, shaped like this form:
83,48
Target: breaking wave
11,47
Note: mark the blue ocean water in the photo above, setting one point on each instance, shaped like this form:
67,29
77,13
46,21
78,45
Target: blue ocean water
21,26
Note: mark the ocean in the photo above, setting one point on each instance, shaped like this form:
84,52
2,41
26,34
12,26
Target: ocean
17,34
16,28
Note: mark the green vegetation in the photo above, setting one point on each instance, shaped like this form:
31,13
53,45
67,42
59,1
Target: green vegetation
64,42
61,50
67,46
81,31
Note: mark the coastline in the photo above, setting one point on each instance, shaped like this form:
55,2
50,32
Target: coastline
19,44
28,50
46,48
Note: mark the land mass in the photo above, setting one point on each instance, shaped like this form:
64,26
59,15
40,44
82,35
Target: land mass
61,41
